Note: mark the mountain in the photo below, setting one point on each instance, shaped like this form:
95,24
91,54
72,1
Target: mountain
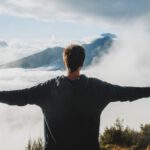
52,57
98,47
3,44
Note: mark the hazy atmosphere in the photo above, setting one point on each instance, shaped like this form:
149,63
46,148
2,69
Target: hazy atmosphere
29,26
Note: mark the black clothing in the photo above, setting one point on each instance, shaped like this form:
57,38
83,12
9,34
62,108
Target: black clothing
72,108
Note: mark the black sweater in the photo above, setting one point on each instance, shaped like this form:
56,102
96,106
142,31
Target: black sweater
72,108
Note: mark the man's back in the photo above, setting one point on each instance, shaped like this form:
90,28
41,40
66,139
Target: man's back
72,114
73,110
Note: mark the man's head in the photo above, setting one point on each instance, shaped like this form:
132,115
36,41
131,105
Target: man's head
73,57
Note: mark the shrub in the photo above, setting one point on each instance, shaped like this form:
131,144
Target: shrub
35,145
125,137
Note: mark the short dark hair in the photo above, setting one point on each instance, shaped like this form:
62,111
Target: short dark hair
74,56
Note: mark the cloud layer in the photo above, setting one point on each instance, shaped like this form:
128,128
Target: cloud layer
126,64
99,10
19,124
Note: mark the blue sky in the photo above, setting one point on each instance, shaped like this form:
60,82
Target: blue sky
18,27
53,22
67,19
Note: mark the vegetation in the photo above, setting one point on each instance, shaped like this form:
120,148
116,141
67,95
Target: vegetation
119,138
116,137
35,145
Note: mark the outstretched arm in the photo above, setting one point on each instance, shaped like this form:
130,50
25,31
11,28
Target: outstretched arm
120,93
33,95
127,93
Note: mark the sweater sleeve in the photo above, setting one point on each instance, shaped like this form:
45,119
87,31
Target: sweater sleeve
113,93
34,95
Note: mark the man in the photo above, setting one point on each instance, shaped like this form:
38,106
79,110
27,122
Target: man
72,104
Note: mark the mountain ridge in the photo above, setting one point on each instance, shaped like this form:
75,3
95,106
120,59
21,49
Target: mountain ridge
52,57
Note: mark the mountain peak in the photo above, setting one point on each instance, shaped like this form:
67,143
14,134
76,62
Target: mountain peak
52,57
108,35
3,44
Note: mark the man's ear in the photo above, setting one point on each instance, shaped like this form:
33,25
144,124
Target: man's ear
63,57
79,68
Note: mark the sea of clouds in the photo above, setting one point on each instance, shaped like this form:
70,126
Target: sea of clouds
127,64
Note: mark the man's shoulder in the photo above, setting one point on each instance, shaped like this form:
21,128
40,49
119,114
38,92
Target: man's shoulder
62,78
54,80
48,82
96,82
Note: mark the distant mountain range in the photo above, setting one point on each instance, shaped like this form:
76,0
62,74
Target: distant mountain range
3,44
52,57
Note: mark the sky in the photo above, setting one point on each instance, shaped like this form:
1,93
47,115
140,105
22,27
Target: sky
29,26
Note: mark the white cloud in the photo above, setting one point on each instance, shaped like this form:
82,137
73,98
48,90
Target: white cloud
128,58
127,64
99,10
19,124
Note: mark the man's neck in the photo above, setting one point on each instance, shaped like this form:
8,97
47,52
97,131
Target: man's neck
73,75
